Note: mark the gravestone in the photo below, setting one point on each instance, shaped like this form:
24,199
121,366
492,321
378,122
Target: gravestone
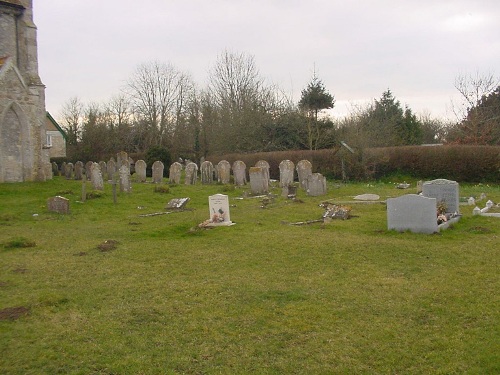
419,186
304,171
259,182
102,165
79,170
63,169
131,165
265,167
96,177
140,170
122,159
239,173
68,172
58,204
223,172
174,174
286,173
207,172
367,197
111,169
177,203
219,209
412,212
157,172
191,175
55,169
316,185
88,167
444,191
124,172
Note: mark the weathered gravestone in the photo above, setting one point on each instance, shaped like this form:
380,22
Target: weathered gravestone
58,204
177,203
68,172
219,209
259,183
124,172
444,191
207,172
265,167
223,172
316,185
412,212
88,167
157,172
304,171
140,170
55,169
122,159
102,165
286,173
63,169
96,177
79,170
239,173
191,175
111,169
174,174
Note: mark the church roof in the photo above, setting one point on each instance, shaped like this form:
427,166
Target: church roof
16,3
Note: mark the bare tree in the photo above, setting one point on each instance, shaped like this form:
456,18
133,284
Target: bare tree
72,118
471,89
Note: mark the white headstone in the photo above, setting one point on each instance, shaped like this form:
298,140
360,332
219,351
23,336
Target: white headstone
96,177
219,209
286,173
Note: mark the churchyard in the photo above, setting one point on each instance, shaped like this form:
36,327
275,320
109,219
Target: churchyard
118,281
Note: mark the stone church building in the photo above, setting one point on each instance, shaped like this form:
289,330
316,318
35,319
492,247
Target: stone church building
24,153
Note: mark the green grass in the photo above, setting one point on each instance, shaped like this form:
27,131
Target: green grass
108,291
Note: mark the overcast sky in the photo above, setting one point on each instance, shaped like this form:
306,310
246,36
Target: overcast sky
416,48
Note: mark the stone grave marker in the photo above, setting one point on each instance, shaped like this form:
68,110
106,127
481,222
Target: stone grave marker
102,165
68,172
96,177
122,159
55,169
174,173
224,172
207,172
286,173
412,212
367,197
191,175
88,167
177,203
259,181
58,204
304,171
219,209
265,167
444,191
124,172
419,186
239,173
316,185
140,170
79,170
157,172
111,169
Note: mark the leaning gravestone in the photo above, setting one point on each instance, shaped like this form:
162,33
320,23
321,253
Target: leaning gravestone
304,171
68,173
224,172
286,173
316,185
412,212
265,166
79,170
239,173
207,172
157,172
174,174
191,175
55,169
140,170
444,191
259,183
124,172
177,203
58,204
96,177
219,209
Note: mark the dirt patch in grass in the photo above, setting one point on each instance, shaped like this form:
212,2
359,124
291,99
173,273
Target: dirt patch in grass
107,245
13,313
4,284
80,254
20,270
479,230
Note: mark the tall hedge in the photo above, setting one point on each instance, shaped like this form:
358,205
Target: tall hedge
455,162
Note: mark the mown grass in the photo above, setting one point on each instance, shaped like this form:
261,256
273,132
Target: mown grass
108,291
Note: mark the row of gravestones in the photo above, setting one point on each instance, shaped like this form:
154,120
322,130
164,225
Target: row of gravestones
313,183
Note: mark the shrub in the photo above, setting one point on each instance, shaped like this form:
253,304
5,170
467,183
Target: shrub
157,153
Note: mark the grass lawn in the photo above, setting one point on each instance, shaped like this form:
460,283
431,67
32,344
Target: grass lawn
104,290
